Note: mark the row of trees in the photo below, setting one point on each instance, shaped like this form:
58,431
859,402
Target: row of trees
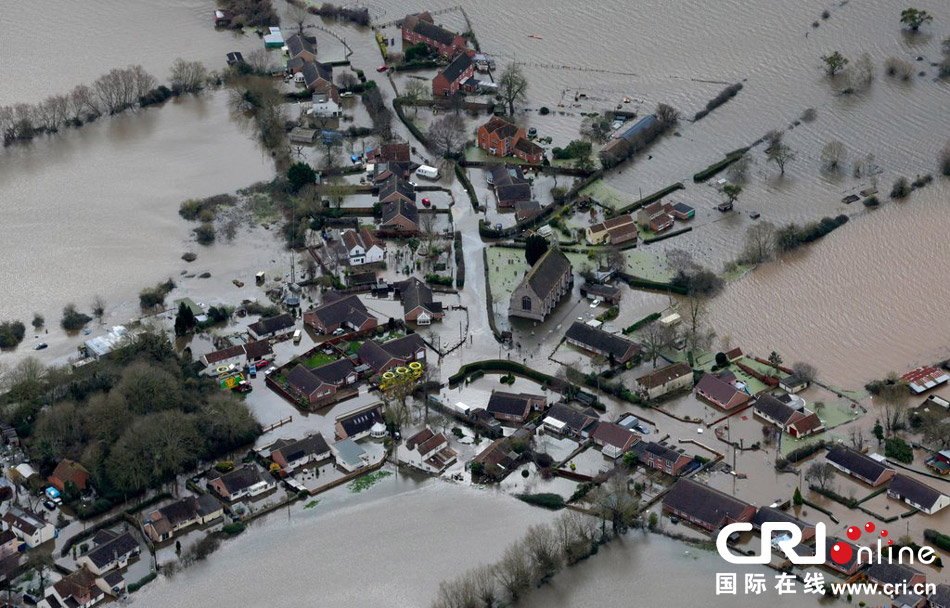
116,91
543,551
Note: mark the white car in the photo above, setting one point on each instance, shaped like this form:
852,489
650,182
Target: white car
595,303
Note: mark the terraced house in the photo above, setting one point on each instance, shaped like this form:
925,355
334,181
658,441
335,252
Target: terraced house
500,137
449,80
421,28
549,280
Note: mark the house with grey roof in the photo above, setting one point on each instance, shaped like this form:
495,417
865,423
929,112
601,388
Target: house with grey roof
302,47
917,494
272,327
544,285
382,357
347,312
705,507
112,554
617,349
860,466
291,454
418,305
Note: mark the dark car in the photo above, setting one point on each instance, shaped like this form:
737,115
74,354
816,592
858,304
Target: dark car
40,346
50,505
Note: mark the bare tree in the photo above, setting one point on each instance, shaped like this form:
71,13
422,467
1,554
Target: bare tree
259,61
656,338
857,438
512,86
614,259
98,307
680,260
614,502
416,90
860,75
821,475
780,154
805,371
346,79
514,570
892,399
297,14
695,313
447,135
759,243
83,99
738,172
833,156
541,543
485,585
188,76
666,114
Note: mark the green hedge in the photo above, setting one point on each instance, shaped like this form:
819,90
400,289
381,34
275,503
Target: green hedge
397,105
637,282
651,198
501,365
642,322
459,261
715,168
548,500
422,64
667,235
148,578
469,189
938,538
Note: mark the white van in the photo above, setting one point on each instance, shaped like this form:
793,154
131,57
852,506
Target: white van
297,336
427,172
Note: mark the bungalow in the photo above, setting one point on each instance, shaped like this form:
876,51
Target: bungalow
509,184
417,304
347,312
850,567
858,465
618,350
609,294
362,247
613,439
923,379
9,544
665,380
941,597
566,420
430,452
500,137
600,233
392,152
663,458
498,459
162,524
349,455
449,80
315,386
720,393
383,171
395,353
705,507
240,483
304,47
239,355
358,424
797,423
80,589
272,327
28,526
895,575
526,210
293,454
69,471
515,407
771,514
656,217
549,280
791,384
400,217
317,76
917,494
112,552
420,28
397,189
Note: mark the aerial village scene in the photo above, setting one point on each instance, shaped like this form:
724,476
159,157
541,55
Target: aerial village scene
431,306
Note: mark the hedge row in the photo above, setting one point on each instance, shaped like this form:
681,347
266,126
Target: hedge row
148,578
719,166
467,184
548,500
667,235
417,133
652,198
641,323
503,365
422,64
638,283
459,261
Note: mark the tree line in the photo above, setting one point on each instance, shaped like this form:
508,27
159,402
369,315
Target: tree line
118,90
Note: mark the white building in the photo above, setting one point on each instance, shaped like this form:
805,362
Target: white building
28,527
324,105
362,247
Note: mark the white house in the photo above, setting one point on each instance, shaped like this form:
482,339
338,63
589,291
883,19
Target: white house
324,106
917,494
28,527
362,247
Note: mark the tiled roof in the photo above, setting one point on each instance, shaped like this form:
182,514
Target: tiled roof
547,272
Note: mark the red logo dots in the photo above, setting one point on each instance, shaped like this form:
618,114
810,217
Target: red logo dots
883,532
854,533
841,553
890,542
869,527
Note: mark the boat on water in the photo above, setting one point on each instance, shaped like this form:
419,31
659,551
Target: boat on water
535,36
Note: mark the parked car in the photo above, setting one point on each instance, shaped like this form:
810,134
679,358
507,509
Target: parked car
426,202
595,303
270,370
242,387
413,184
382,68
339,332
261,364
50,505
40,346
532,132
755,215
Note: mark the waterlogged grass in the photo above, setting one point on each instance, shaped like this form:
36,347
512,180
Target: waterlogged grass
367,481
607,195
311,504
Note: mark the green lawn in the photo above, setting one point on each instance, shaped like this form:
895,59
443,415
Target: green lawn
607,195
319,358
506,268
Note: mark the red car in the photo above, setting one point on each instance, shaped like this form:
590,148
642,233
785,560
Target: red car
242,387
261,364
426,202
382,68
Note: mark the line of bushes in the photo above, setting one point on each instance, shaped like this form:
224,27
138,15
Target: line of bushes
638,283
641,323
502,365
651,198
547,500
438,279
419,64
799,454
467,184
723,96
667,235
11,333
716,167
459,261
793,236
148,578
941,540
415,130
851,503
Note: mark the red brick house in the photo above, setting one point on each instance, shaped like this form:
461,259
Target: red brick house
500,137
347,312
449,80
613,439
663,458
66,471
421,28
316,386
705,507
